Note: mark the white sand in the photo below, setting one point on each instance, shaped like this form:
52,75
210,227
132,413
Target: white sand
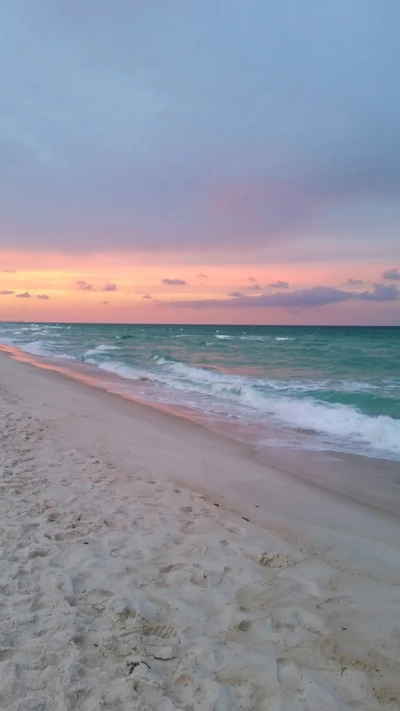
123,589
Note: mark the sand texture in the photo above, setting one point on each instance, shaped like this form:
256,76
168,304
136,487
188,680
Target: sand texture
123,589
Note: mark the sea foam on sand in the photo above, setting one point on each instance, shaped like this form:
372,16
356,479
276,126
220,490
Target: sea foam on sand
123,589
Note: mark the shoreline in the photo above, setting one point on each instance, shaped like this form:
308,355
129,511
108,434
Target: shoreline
349,477
143,556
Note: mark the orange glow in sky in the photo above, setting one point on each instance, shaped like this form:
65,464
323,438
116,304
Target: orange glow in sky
129,288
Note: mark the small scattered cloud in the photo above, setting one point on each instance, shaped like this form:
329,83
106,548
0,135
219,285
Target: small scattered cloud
254,287
253,279
9,271
235,294
174,282
6,292
43,296
200,275
393,274
24,295
104,302
84,285
354,282
147,296
314,297
109,287
278,284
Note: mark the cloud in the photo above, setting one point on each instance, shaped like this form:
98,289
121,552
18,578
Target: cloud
43,296
84,285
235,294
278,284
24,295
380,292
251,279
254,287
174,282
302,298
354,282
324,160
104,302
200,275
6,292
9,271
393,274
147,296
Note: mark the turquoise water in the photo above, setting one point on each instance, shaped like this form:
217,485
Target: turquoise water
309,387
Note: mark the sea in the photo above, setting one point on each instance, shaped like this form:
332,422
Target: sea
313,388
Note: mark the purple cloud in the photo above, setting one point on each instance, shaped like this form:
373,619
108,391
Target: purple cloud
200,275
254,287
43,296
278,284
25,295
251,279
109,287
380,292
147,296
84,285
235,294
174,282
354,282
393,274
6,292
302,298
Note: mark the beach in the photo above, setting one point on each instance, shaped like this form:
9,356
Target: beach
148,562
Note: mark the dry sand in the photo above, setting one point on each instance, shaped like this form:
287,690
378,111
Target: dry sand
128,582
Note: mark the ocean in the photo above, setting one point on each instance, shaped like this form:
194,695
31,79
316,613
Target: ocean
315,388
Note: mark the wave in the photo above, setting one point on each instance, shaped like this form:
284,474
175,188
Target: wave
332,420
222,337
381,433
40,348
284,338
101,348
125,371
253,338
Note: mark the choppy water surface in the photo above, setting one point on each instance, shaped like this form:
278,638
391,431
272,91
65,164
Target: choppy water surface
308,387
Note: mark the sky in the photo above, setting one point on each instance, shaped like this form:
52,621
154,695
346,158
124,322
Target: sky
200,161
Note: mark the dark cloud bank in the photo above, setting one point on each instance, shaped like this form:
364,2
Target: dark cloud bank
302,298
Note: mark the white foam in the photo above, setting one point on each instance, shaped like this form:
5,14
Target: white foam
253,338
222,337
63,356
380,433
101,348
340,421
125,371
36,348
284,338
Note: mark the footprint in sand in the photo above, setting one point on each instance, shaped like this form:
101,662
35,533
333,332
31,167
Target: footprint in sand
160,629
288,675
309,621
273,560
